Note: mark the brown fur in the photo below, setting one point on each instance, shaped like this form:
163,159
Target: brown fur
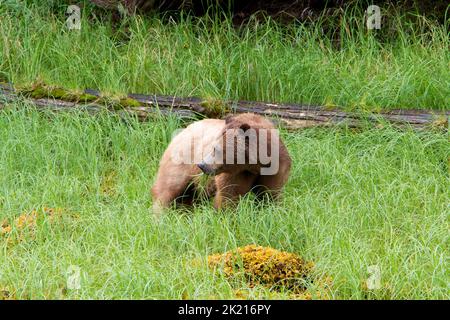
178,182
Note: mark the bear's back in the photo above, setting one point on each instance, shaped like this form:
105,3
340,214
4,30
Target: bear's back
199,137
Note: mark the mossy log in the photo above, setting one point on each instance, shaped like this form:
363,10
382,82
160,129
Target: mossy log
291,116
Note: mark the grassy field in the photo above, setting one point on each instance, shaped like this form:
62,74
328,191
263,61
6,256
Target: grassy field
210,58
355,199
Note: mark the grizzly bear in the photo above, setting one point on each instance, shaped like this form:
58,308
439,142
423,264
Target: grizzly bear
239,154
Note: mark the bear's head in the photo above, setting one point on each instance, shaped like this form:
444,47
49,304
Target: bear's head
248,142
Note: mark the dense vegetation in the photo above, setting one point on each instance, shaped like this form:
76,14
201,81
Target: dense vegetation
378,197
74,189
401,67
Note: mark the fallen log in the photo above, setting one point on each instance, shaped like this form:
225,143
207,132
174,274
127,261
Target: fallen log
291,116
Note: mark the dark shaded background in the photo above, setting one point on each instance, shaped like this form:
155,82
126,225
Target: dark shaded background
282,10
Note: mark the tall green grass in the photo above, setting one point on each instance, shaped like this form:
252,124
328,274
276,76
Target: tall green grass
403,65
354,199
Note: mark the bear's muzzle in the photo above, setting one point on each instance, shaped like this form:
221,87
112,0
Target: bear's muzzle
206,169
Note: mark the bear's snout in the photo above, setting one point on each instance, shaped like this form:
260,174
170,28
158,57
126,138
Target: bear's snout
207,169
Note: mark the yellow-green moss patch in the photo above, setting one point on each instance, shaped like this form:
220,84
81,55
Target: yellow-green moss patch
129,102
265,266
40,90
86,97
214,107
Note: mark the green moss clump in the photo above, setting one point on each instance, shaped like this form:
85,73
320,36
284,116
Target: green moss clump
41,91
329,104
214,107
61,94
110,102
118,103
57,93
86,97
129,102
38,93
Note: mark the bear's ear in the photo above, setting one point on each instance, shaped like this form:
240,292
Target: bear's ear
244,127
229,118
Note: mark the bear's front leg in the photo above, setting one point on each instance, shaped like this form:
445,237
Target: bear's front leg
272,185
230,187
171,182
